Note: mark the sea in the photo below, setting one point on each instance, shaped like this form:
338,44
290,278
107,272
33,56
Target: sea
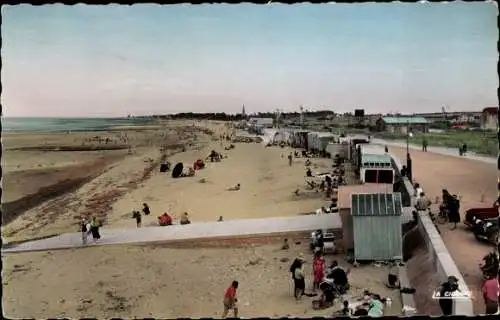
11,124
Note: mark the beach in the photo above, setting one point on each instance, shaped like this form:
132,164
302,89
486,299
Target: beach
123,174
151,279
161,281
53,179
116,182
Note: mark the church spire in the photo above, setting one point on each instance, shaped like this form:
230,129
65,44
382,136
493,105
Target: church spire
243,114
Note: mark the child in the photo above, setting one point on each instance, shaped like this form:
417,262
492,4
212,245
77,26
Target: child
346,310
230,300
318,269
84,230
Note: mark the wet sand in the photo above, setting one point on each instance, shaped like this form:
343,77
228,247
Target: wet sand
47,190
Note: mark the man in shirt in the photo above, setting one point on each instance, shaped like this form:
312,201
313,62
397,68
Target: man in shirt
230,300
490,295
339,277
446,300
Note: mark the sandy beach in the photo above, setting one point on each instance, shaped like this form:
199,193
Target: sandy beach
146,281
115,182
53,179
121,182
164,282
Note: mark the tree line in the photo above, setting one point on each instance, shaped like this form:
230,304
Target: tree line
222,116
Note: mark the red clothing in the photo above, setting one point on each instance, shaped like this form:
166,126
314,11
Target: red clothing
230,293
319,269
491,289
168,219
165,220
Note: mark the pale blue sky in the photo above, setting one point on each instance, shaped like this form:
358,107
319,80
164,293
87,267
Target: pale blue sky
113,60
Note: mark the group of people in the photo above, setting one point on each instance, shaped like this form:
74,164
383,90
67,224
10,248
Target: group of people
449,208
334,277
164,220
90,227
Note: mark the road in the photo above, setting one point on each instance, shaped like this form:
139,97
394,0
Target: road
437,150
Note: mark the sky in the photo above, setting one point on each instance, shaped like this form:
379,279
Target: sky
63,61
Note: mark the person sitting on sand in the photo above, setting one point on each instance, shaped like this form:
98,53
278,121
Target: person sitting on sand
308,172
220,219
285,245
165,220
237,187
185,218
376,307
346,310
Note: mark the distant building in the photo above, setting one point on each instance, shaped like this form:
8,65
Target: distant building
401,124
489,119
261,122
243,113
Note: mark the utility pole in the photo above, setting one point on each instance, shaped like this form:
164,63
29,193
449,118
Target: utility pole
408,157
301,117
408,138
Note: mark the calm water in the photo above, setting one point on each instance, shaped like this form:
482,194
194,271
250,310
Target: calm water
66,124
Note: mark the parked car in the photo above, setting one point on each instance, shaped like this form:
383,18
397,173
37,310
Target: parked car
484,214
486,230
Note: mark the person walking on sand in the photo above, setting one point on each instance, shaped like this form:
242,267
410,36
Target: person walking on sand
137,216
94,228
290,159
84,230
145,209
230,300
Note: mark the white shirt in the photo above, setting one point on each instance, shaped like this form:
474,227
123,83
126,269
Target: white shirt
419,191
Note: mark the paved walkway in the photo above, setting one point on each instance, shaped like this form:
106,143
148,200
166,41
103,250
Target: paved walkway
231,228
438,150
191,231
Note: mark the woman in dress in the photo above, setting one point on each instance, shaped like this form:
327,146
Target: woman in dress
94,228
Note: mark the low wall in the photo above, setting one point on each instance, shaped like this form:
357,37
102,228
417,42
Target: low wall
441,258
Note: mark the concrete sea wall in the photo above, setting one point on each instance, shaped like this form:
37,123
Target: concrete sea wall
433,251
